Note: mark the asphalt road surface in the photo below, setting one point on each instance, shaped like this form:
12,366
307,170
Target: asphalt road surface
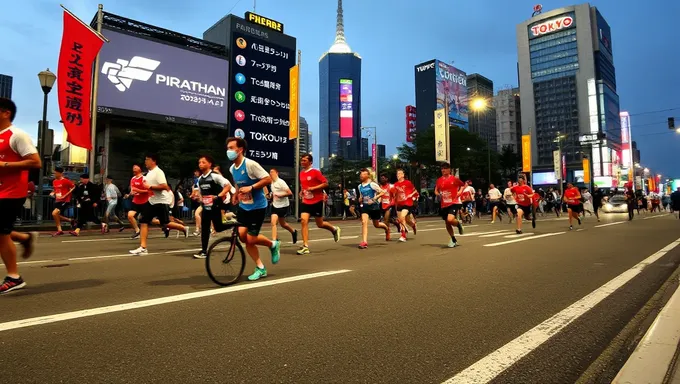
502,308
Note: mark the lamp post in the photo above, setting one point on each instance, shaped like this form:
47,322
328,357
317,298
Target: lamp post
47,80
480,105
375,142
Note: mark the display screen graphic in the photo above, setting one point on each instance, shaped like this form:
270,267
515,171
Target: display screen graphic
452,88
346,115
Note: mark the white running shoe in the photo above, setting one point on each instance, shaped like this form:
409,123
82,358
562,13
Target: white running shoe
139,251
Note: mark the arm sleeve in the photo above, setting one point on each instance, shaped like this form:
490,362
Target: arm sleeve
221,180
376,187
255,170
21,143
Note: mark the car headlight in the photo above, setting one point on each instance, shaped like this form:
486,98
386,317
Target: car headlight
608,206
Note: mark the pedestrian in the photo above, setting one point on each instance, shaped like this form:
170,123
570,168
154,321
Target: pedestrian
85,194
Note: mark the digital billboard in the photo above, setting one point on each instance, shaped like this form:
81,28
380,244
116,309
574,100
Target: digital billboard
626,154
346,116
144,78
259,100
452,87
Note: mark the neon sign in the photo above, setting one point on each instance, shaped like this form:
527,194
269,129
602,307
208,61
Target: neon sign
552,25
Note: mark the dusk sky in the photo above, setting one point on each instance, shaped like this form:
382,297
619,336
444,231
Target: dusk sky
391,37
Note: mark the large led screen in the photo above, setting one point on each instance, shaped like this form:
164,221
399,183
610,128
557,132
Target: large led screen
452,88
346,116
140,77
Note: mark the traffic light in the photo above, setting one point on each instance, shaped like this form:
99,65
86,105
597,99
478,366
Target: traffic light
671,123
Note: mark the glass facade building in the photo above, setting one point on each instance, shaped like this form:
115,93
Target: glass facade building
6,86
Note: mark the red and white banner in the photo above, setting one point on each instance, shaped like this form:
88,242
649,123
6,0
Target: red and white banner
374,158
79,48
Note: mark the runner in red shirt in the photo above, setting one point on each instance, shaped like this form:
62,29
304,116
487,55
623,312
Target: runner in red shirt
312,184
572,196
62,190
449,188
140,198
402,194
523,195
17,156
387,202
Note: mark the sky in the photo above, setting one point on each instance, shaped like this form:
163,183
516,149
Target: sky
391,36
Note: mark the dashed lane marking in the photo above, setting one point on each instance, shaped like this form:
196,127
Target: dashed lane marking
524,239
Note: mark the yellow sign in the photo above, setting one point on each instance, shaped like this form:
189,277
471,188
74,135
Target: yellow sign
586,171
294,102
526,153
265,22
241,43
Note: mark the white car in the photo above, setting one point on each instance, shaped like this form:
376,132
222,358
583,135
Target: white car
615,204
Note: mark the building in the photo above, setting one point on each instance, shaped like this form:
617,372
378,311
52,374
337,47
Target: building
568,90
636,153
365,151
508,120
339,99
483,121
6,86
310,146
381,151
303,135
438,85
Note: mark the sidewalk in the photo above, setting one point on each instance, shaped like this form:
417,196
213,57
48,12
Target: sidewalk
655,359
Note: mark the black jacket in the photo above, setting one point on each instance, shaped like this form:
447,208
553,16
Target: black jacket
87,193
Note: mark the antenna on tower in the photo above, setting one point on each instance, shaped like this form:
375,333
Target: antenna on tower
254,6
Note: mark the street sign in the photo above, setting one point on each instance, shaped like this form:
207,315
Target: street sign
587,138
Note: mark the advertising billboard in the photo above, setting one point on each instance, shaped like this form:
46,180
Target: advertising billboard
346,116
554,24
144,78
410,123
452,88
626,153
259,99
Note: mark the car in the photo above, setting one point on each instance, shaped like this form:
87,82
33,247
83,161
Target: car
615,204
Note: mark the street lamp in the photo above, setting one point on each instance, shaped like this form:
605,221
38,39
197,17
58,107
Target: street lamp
375,142
468,148
47,80
480,105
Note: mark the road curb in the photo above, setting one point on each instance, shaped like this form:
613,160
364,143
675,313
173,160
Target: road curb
652,361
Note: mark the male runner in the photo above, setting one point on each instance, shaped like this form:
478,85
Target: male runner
447,188
140,198
250,178
111,192
523,195
403,193
62,191
312,184
495,197
212,187
572,196
468,199
85,194
510,202
160,197
369,194
17,156
387,203
280,191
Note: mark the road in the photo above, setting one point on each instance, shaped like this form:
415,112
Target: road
496,309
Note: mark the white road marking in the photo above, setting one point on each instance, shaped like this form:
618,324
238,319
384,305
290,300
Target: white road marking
442,227
108,239
498,233
159,301
516,236
653,217
480,233
608,224
34,262
524,239
488,368
112,256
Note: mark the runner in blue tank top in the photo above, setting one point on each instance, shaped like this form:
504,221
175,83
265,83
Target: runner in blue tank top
250,179
369,194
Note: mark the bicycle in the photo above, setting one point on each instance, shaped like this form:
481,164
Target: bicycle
225,261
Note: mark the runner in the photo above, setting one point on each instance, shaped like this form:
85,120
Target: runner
140,198
158,207
523,195
196,197
62,191
510,203
387,203
403,197
370,194
448,187
468,199
112,193
213,188
18,156
250,178
84,194
495,197
280,192
312,183
572,196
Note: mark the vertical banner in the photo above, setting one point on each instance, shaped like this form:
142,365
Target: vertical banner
564,168
374,158
294,112
80,46
557,167
526,153
586,171
440,135
346,110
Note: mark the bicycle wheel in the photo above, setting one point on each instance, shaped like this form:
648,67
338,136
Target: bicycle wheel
226,261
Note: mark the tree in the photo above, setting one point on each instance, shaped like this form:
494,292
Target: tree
510,162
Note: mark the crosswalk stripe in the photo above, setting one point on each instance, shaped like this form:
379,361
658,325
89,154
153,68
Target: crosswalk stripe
524,239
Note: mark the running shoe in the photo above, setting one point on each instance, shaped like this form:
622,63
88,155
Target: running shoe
11,284
295,236
139,251
387,234
29,245
460,228
200,255
121,229
58,233
402,239
579,220
363,245
104,229
518,231
259,273
275,249
452,244
186,232
304,250
571,227
197,233
166,231
493,221
336,234
136,235
73,233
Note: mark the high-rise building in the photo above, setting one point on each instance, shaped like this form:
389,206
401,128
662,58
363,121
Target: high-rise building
310,146
437,85
508,120
6,86
365,152
482,121
303,135
381,151
339,99
568,90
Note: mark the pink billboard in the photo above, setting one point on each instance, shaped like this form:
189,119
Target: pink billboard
346,115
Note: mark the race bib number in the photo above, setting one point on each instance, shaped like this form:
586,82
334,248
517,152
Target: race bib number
59,195
368,200
207,201
520,198
86,193
307,194
246,198
401,196
447,198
